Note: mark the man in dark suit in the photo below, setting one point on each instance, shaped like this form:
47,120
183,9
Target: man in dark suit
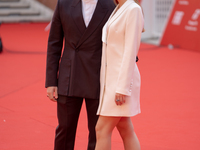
72,72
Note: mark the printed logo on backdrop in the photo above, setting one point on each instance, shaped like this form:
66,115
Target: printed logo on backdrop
178,16
183,2
193,22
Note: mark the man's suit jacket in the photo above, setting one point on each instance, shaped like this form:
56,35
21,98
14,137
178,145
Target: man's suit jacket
76,68
119,71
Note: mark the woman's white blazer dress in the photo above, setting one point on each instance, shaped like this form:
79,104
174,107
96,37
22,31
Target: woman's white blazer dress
119,72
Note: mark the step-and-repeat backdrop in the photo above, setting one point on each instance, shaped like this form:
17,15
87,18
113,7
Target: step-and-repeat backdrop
183,27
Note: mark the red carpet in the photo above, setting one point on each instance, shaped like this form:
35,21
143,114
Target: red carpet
170,96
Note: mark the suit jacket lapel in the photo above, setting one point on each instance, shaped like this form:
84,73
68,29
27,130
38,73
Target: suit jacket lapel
98,16
78,16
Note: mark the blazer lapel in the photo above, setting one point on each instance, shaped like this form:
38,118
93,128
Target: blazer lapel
78,16
119,11
98,16
105,28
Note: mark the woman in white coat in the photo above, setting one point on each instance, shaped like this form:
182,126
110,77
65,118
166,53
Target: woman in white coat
120,77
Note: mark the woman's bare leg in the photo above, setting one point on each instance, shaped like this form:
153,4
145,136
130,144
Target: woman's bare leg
126,130
104,128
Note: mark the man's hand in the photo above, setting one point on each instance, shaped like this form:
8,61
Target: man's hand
119,99
52,93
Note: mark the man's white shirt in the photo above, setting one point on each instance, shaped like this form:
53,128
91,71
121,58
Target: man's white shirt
88,7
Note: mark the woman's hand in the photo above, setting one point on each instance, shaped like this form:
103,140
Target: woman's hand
119,99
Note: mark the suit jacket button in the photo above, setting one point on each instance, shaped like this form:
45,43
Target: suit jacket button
76,50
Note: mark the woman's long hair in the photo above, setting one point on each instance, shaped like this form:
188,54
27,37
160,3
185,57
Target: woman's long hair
116,2
137,2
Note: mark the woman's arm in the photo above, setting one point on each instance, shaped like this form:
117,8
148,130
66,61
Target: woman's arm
55,44
134,27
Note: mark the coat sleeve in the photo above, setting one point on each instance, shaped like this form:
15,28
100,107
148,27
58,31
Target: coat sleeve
55,44
134,27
